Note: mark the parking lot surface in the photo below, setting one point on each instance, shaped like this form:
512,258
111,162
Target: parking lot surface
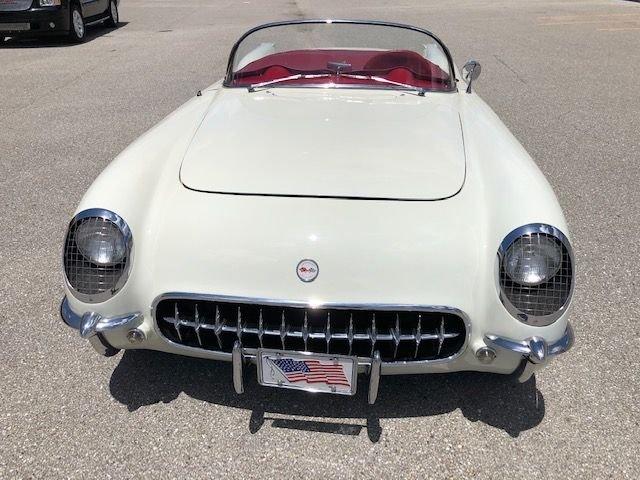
563,76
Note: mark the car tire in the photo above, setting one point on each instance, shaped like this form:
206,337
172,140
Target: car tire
114,15
77,27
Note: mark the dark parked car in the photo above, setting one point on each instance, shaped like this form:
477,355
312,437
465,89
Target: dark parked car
20,18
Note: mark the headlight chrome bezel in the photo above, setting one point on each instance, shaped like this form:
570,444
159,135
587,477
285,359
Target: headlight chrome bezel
115,219
528,230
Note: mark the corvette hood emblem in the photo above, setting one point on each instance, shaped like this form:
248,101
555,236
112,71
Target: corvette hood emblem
307,270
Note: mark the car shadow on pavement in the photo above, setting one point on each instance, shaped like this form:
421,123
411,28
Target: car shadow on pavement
57,41
146,377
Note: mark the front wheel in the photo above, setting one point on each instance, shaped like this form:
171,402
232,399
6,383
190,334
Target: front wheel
78,29
113,19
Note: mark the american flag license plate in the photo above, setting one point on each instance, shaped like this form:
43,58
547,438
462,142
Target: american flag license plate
312,372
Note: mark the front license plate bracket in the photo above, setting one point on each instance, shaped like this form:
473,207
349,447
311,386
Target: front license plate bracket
307,371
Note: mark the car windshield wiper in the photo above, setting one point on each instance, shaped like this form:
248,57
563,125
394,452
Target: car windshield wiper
375,78
254,86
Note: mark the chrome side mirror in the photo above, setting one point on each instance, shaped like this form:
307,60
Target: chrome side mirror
470,72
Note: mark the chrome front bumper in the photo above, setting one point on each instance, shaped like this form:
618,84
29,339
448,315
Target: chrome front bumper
535,352
91,326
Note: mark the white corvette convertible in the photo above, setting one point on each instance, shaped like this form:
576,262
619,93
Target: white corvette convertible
341,204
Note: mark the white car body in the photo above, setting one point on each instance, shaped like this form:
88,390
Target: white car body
290,183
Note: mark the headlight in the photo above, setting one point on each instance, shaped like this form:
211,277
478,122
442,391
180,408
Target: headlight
49,3
532,260
536,273
101,242
97,255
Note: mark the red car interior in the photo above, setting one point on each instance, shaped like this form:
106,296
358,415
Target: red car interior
402,66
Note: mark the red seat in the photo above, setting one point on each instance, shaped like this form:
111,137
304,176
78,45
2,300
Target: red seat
402,66
407,59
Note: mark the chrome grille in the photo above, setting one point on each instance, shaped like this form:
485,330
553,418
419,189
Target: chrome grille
548,297
399,335
84,276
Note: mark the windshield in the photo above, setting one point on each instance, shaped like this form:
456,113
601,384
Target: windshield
340,54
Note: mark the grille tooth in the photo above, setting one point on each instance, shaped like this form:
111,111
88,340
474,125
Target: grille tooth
373,333
305,331
283,330
327,332
197,322
260,327
418,334
218,327
441,337
397,335
176,321
350,334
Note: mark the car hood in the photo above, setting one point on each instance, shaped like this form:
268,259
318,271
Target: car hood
328,143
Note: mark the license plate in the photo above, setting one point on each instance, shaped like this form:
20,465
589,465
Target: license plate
14,27
311,372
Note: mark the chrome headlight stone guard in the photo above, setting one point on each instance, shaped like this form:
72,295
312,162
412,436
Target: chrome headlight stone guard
529,318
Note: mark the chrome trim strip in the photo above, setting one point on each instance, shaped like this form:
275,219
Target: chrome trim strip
229,76
386,367
304,304
126,231
531,320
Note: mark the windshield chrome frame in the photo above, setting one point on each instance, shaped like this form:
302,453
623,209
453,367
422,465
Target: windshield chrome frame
229,75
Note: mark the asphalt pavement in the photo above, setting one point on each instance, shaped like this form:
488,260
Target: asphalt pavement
563,75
